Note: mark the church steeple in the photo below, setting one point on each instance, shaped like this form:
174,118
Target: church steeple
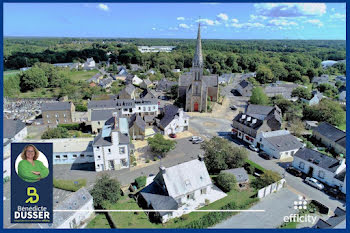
198,58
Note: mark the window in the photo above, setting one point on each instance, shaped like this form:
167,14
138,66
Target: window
301,165
64,115
74,156
144,109
65,156
65,120
154,107
48,122
56,115
185,122
99,122
203,191
81,155
48,116
149,109
121,150
139,108
109,150
58,157
98,148
99,157
321,174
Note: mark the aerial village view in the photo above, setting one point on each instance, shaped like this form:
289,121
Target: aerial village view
170,114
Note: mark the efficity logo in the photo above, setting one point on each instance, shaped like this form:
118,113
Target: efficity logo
300,204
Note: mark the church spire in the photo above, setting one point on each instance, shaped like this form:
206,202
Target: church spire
198,58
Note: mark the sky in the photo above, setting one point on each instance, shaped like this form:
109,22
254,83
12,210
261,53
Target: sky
177,20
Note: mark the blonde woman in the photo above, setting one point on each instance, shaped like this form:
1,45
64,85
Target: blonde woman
30,169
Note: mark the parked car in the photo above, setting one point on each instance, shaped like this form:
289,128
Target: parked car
314,183
198,141
172,135
253,148
233,107
334,192
294,172
264,155
193,138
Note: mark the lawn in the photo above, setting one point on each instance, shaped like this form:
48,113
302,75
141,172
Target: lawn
342,127
81,75
40,93
10,73
289,225
99,221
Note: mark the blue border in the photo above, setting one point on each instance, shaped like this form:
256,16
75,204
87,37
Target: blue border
179,1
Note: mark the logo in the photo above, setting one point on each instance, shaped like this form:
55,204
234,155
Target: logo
31,192
301,204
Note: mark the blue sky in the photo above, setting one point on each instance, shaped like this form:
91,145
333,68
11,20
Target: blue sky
177,20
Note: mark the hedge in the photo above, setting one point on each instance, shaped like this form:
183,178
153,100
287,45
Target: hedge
256,166
69,185
74,126
140,181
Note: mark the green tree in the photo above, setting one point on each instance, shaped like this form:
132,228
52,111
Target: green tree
264,75
282,103
302,92
226,181
259,96
160,145
58,132
327,89
33,78
269,177
106,190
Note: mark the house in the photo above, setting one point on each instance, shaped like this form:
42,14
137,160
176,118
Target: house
257,119
128,92
244,88
241,176
150,71
248,75
279,144
341,78
173,120
322,167
331,136
137,127
96,78
182,188
89,64
320,80
146,83
337,221
57,112
225,78
147,94
284,89
317,97
311,124
112,146
99,118
135,67
165,85
342,97
328,63
155,49
106,82
176,70
133,79
82,206
122,71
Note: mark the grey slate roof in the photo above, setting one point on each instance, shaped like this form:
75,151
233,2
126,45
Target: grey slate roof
332,133
240,174
129,89
147,94
170,112
101,115
12,127
136,119
165,84
242,118
74,202
321,160
101,141
338,219
258,109
284,142
111,103
56,106
104,82
123,138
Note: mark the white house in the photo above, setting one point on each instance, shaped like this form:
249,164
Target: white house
279,144
112,146
173,120
133,79
89,64
322,167
183,187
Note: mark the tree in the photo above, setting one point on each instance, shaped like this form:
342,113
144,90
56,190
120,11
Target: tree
269,177
160,145
106,190
259,96
173,91
58,132
297,127
227,181
301,92
282,103
327,89
220,154
264,75
33,78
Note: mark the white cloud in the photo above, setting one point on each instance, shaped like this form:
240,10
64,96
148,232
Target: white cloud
257,17
246,25
222,16
234,20
332,9
208,22
180,18
183,25
282,22
154,29
290,9
338,16
173,28
103,7
316,22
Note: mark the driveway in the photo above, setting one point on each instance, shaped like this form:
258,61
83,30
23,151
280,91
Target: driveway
271,218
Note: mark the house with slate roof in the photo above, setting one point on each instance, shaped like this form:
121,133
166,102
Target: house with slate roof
196,88
57,112
165,85
257,119
146,83
244,88
331,137
324,78
337,221
96,78
112,146
279,144
225,78
90,64
180,188
172,120
137,127
322,167
128,92
106,82
133,79
317,97
241,176
147,94
99,118
284,89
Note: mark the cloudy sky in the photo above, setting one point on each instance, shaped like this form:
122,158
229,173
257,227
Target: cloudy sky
178,20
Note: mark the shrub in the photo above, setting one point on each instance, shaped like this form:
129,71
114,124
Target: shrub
147,160
80,108
69,185
106,190
140,181
73,126
58,132
269,177
226,181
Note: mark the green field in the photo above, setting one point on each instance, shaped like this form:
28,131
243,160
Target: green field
81,75
342,127
10,73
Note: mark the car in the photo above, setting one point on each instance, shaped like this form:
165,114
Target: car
334,192
264,155
253,148
172,135
194,138
198,141
233,107
314,183
294,172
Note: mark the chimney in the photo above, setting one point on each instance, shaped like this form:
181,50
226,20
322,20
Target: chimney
201,158
115,115
162,169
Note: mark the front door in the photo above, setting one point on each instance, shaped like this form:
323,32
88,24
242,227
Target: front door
196,106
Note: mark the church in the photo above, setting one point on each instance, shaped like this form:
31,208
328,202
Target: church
194,87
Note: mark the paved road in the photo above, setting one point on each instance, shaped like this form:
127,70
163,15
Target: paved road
271,218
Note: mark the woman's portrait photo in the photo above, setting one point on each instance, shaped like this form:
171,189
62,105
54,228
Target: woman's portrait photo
32,165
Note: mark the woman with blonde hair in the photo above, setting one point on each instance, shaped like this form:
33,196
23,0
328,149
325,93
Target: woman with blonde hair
30,169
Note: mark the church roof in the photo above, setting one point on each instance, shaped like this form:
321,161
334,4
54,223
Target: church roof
198,58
